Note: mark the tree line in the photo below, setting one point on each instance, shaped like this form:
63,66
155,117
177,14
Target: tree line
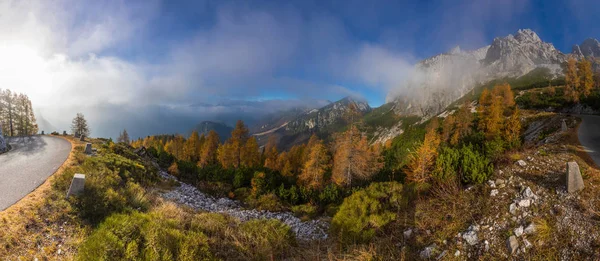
315,164
16,114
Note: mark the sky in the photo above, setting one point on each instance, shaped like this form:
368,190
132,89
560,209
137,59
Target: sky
157,66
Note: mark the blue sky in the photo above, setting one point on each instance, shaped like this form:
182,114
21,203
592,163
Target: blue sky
410,30
141,61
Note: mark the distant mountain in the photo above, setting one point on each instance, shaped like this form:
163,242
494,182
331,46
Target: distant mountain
440,80
223,130
282,117
590,48
323,122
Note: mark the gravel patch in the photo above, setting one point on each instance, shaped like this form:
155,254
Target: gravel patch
190,196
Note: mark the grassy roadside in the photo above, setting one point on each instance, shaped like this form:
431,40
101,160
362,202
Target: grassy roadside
121,216
35,226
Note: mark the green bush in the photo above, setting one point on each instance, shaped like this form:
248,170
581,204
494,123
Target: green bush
138,236
332,193
476,168
447,165
305,210
269,202
366,211
494,148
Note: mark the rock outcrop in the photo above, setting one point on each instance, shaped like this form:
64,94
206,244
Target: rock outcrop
590,48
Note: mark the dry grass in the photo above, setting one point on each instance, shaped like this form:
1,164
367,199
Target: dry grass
30,225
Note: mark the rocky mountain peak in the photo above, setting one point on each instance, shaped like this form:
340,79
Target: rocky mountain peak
589,48
527,35
455,50
441,79
513,56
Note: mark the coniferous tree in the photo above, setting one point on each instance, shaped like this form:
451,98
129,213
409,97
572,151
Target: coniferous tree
464,122
271,153
448,127
572,81
586,81
422,160
191,148
512,129
123,136
318,163
230,153
209,149
80,126
250,154
353,159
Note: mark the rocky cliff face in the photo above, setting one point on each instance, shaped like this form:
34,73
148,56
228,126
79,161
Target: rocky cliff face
590,48
440,80
327,116
322,121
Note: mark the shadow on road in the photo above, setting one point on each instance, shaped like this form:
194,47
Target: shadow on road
26,145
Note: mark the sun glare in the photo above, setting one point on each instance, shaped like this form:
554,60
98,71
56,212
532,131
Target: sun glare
22,69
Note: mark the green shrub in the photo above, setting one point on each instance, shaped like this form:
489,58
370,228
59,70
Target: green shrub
241,178
366,211
305,210
332,193
138,236
446,165
476,168
269,202
258,184
494,148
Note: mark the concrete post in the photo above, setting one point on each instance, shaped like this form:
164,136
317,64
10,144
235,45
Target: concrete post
77,185
574,179
88,148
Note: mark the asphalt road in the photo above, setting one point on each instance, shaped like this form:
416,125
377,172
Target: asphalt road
589,136
30,162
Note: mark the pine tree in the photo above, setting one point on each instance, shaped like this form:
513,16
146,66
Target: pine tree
271,153
448,128
586,81
191,148
175,147
421,161
239,136
123,136
572,81
319,162
512,129
250,154
464,122
353,159
209,149
80,126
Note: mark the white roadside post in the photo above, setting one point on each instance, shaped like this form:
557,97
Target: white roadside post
77,185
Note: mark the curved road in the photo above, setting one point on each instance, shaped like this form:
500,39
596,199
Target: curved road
589,136
31,161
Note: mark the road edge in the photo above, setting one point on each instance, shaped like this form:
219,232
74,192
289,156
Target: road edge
34,197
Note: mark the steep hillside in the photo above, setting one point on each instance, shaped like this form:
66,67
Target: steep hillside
323,122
